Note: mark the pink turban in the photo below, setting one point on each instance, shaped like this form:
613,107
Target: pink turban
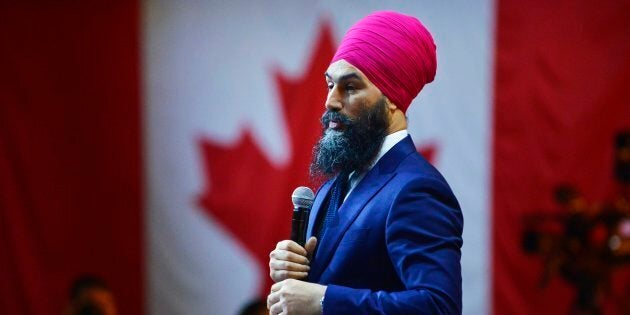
395,51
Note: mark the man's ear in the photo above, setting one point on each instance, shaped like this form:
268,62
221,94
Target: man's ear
391,106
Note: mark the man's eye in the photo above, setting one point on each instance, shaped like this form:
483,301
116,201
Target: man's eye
330,86
350,87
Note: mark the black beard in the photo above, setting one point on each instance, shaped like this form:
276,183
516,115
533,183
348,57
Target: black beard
353,148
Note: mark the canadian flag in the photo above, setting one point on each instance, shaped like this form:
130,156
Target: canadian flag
156,143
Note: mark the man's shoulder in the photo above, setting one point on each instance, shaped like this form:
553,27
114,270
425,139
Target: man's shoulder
416,166
404,160
417,174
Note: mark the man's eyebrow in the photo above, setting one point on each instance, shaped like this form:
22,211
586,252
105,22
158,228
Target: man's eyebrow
352,75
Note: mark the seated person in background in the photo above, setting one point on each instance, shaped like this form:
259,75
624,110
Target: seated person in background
89,295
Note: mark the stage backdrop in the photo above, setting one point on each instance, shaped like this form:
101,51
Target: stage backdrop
233,95
156,143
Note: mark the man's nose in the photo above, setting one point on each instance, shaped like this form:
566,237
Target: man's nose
334,100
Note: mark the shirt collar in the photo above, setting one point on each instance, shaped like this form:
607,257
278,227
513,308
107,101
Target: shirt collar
390,141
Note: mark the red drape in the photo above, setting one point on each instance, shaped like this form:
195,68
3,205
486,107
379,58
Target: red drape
70,153
561,95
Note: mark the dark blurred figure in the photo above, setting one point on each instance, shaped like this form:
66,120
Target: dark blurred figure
584,267
586,243
622,157
89,295
254,307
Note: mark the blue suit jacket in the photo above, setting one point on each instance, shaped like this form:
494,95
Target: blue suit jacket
395,248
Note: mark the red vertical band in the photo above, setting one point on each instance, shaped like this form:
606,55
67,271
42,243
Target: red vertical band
70,153
561,95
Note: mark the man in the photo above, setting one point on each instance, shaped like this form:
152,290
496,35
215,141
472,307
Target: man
386,228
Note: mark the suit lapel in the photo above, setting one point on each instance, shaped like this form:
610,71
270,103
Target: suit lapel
317,207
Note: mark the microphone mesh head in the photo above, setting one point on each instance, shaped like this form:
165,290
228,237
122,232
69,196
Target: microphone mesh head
302,197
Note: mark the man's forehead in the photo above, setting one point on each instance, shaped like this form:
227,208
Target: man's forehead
342,69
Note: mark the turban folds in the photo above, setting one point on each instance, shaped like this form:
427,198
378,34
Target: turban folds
395,51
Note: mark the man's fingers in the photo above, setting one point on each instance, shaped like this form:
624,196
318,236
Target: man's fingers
291,246
288,261
272,299
287,265
281,254
280,275
277,286
276,309
273,303
310,245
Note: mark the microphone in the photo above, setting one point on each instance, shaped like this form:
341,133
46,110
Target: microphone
302,199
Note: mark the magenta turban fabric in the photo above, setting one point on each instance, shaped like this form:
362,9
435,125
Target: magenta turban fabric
395,51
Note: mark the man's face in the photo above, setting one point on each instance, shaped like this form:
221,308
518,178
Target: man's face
354,125
350,92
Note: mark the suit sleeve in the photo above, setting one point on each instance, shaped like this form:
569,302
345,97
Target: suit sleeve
423,239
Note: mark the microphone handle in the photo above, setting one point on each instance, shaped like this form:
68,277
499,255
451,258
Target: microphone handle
298,225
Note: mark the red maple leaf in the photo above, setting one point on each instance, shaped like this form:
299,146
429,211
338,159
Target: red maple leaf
250,196
428,151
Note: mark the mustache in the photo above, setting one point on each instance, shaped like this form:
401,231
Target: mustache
336,117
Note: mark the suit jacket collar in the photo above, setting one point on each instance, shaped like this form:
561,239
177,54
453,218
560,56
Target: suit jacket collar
373,181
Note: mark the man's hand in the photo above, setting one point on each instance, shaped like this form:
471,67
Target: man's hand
290,260
295,297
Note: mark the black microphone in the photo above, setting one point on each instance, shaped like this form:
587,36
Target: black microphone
302,198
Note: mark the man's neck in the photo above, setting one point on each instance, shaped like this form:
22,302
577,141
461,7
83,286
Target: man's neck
397,122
